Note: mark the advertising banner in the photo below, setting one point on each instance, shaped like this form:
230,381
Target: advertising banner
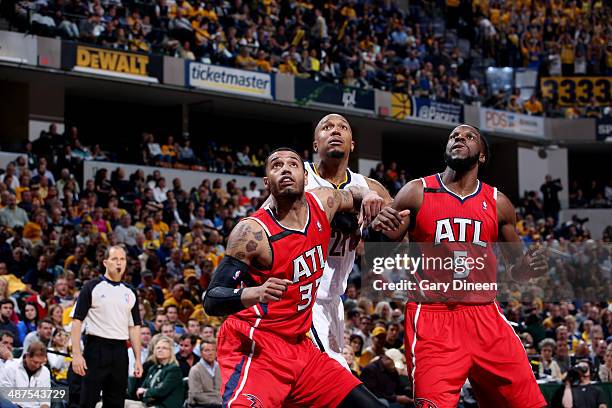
495,120
230,80
109,62
603,128
404,107
316,93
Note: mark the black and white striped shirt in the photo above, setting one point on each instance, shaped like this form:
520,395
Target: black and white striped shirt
110,308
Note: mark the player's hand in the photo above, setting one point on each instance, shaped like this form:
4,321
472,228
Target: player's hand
272,290
389,219
371,205
537,260
137,369
79,365
140,392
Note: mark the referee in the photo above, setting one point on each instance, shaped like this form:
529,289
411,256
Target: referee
111,309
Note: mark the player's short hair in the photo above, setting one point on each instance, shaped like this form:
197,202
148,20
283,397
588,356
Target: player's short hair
285,149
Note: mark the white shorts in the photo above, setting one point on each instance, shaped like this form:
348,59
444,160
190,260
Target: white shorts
327,332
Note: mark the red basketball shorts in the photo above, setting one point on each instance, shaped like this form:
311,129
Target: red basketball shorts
260,369
445,344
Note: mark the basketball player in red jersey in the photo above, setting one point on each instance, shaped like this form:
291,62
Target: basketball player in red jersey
268,282
447,342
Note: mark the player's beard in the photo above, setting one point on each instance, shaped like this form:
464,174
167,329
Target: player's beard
336,154
461,165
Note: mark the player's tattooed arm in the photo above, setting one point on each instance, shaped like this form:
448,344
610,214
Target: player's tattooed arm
394,219
247,246
521,265
354,199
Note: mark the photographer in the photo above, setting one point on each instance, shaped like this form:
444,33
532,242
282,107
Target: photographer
550,195
579,391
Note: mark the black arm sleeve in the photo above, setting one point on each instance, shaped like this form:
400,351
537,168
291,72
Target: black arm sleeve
223,296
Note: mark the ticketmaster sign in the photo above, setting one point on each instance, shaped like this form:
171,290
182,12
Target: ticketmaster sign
223,79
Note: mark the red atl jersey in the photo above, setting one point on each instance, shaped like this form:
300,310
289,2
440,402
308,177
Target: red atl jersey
453,229
298,255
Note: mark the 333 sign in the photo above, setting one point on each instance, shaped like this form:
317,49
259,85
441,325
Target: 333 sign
577,91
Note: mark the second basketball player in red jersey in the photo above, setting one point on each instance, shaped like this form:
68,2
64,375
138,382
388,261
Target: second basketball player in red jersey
470,338
268,282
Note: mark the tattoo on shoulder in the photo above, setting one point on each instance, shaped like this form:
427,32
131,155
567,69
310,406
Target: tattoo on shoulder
251,246
330,201
258,235
240,255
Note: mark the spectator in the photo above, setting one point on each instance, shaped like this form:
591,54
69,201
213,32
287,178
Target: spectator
7,309
186,357
58,356
160,191
533,106
13,216
605,370
28,372
205,379
548,367
42,334
550,193
29,321
7,342
145,339
163,383
349,356
168,150
379,336
381,376
582,394
125,232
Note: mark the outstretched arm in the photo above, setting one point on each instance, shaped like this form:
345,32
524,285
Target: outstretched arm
354,198
247,245
521,265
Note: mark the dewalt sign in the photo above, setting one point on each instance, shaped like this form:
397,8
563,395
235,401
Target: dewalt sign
108,62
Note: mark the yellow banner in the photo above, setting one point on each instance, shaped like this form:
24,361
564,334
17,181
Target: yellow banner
577,91
110,60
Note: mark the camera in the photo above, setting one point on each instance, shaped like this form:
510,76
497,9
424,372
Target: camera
574,373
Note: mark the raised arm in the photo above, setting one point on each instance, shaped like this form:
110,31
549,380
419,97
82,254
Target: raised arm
521,265
247,246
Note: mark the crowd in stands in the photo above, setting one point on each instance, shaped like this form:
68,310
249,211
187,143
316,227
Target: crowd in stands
214,157
354,43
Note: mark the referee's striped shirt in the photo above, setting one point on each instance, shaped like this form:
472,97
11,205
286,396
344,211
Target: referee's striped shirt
110,308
